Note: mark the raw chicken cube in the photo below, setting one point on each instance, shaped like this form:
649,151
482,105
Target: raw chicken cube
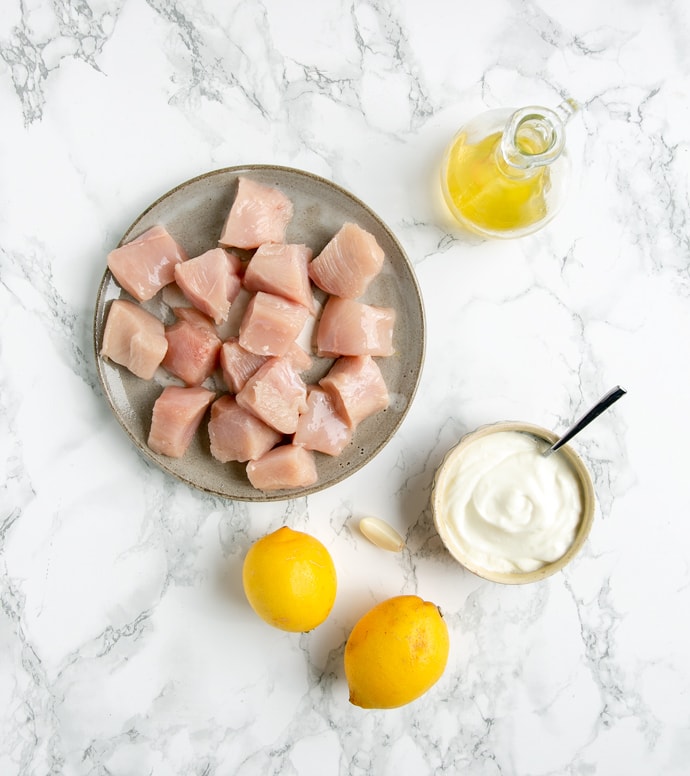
348,263
349,328
320,427
298,357
146,264
271,324
177,415
282,270
276,394
259,214
210,282
238,364
194,316
357,388
192,352
237,435
134,338
283,468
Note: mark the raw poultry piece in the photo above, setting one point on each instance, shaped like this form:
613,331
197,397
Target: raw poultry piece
281,269
283,468
357,388
271,324
238,364
194,316
350,328
147,263
177,414
320,427
348,263
259,214
237,435
192,351
275,393
298,357
210,282
134,338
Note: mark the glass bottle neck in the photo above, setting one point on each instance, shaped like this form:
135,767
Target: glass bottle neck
534,137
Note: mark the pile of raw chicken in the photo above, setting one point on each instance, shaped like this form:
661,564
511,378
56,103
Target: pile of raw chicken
266,416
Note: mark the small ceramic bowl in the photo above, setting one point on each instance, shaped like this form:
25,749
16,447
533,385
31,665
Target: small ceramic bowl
439,509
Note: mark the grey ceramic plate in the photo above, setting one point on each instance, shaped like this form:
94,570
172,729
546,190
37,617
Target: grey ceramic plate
194,213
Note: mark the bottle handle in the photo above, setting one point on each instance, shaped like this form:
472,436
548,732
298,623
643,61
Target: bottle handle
566,109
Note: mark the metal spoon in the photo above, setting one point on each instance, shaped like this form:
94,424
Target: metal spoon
604,403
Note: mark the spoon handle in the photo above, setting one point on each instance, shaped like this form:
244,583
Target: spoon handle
604,403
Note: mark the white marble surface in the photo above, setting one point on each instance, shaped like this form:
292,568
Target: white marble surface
120,652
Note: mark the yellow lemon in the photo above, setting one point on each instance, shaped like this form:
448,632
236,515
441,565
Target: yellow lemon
395,653
289,580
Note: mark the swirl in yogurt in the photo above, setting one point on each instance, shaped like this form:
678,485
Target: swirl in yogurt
509,509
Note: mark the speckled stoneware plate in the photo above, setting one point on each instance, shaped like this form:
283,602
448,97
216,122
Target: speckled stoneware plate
194,213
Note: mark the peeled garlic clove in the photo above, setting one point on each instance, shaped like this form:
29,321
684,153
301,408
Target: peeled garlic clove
381,534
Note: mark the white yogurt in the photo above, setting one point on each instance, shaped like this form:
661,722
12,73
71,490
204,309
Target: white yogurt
506,507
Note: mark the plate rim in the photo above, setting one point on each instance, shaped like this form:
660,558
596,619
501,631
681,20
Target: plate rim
261,496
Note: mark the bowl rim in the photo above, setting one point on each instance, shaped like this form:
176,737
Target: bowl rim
586,519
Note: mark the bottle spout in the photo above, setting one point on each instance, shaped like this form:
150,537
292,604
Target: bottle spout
535,136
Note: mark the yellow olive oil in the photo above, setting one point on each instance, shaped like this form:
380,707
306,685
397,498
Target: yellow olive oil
483,192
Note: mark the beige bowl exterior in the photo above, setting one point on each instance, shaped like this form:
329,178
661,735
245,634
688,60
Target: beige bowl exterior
586,491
